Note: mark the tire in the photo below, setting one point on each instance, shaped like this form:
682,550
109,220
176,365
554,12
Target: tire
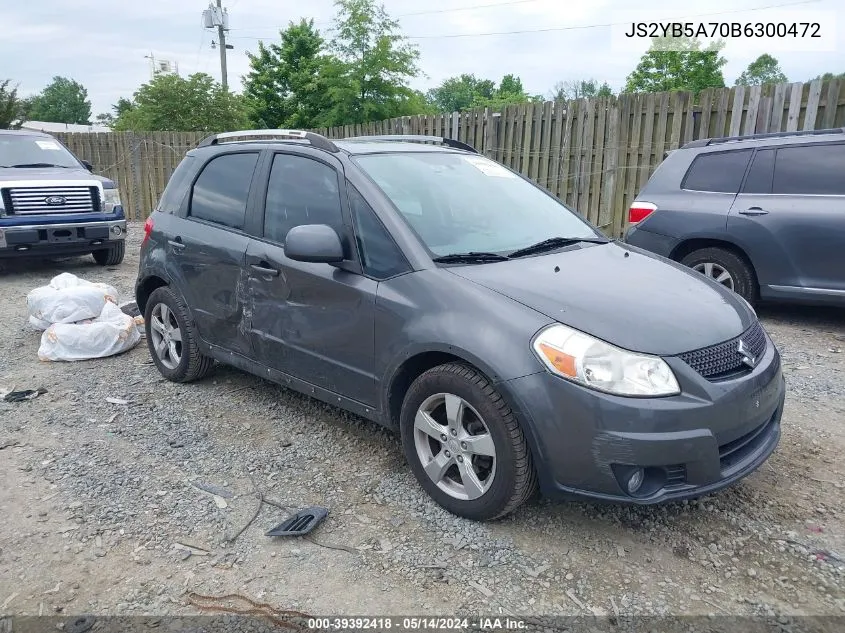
191,364
743,281
508,483
111,256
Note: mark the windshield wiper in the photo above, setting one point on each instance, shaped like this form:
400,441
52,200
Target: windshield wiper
471,256
26,165
555,242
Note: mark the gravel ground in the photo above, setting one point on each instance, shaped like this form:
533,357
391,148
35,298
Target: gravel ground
97,496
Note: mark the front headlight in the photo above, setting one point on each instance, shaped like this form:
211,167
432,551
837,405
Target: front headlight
581,358
111,198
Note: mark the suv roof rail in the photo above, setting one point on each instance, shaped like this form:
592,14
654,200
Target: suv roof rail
703,142
417,138
317,140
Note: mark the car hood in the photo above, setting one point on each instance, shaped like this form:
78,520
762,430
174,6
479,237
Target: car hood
51,173
620,294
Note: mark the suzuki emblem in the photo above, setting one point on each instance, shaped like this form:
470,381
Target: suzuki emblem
55,201
747,358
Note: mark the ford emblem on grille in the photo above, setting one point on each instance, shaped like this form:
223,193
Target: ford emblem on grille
747,358
55,201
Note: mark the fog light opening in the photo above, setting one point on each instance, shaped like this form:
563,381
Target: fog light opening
635,480
116,230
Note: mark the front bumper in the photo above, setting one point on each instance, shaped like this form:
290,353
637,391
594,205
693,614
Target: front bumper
586,443
60,238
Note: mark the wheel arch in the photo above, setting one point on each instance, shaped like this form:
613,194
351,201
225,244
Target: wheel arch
697,243
146,287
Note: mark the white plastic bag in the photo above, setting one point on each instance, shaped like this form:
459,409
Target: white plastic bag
67,299
112,332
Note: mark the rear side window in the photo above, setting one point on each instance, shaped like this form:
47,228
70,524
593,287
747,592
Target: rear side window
810,169
718,171
220,193
760,175
176,189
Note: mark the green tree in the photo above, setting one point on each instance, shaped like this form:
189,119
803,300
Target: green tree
63,101
193,104
580,89
369,78
287,82
460,93
12,108
763,70
509,92
678,64
829,76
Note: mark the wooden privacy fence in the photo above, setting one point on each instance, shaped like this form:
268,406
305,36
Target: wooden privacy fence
595,155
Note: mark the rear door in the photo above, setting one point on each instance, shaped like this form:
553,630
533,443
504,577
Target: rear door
790,216
312,321
208,248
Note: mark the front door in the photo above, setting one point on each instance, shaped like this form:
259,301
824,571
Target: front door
790,217
313,321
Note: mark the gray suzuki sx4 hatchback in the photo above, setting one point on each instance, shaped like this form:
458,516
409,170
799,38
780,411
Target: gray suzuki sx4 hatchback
416,283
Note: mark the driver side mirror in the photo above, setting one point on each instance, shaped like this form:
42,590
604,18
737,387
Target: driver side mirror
87,165
314,243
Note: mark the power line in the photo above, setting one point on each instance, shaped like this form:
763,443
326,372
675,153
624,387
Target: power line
407,15
604,25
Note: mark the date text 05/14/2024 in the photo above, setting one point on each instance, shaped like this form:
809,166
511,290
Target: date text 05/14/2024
724,29
423,623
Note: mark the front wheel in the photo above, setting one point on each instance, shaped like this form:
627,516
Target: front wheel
464,444
111,256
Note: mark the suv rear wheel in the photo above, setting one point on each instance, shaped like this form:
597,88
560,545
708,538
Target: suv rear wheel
465,445
171,338
111,256
725,267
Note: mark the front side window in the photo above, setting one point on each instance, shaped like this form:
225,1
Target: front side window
458,203
380,257
720,172
301,191
810,169
221,191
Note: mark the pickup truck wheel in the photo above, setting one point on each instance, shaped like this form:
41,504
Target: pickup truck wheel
111,256
464,444
172,339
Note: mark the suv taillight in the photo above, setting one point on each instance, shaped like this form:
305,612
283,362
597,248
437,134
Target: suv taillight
639,211
148,228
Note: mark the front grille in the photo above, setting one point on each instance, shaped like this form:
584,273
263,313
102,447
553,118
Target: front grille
725,360
61,199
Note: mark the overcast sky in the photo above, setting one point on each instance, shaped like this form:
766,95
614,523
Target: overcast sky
103,43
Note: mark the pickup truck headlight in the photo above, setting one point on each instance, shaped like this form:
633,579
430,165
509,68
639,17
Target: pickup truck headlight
588,361
111,198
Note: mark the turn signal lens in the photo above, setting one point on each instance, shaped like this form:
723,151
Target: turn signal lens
564,363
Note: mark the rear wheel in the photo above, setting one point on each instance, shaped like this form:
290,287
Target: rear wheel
726,268
465,445
111,256
171,338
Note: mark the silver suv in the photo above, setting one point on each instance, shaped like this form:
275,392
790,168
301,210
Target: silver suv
763,214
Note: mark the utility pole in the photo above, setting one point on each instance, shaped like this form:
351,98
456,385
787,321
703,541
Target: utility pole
221,34
217,17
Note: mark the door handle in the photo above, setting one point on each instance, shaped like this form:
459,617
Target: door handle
178,244
754,211
265,270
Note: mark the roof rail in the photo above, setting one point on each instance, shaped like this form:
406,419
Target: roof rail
417,138
317,140
704,142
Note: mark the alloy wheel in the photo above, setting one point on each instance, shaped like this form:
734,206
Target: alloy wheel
454,446
166,336
716,272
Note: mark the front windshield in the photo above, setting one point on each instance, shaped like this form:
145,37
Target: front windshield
458,203
22,149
